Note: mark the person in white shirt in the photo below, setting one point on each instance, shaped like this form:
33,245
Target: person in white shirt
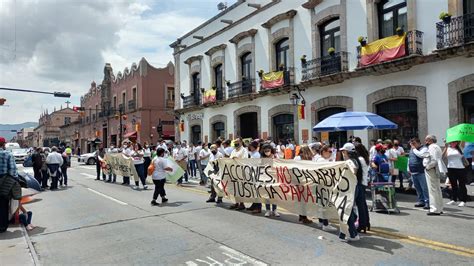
373,151
112,176
432,162
254,153
197,150
146,157
392,158
54,161
181,158
139,162
159,176
238,153
204,155
127,152
215,155
192,160
457,173
227,148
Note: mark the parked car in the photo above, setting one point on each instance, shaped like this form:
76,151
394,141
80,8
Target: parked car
87,158
20,155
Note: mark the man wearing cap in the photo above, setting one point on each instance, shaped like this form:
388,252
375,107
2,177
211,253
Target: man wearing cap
7,167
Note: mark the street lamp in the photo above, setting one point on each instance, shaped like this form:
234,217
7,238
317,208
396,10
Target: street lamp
55,94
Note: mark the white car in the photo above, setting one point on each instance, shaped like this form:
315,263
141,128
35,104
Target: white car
87,158
20,155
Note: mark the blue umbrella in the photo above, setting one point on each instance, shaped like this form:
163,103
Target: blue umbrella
354,121
31,182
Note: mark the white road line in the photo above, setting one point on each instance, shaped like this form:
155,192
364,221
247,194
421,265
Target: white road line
242,256
107,197
89,176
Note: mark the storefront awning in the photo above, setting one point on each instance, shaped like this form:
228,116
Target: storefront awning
132,134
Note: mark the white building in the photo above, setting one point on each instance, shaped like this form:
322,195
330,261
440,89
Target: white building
426,90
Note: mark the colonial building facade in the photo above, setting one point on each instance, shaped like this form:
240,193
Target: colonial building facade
131,105
252,68
47,133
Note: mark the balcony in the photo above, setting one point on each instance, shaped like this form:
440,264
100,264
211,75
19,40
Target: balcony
191,100
170,104
457,32
241,88
132,105
274,80
381,61
324,66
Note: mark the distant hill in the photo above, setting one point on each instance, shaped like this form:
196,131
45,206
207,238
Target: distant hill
6,129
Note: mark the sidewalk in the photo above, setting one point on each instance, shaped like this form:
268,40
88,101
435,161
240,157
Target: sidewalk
14,248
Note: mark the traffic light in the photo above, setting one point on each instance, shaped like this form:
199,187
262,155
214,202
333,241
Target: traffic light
2,101
159,129
62,94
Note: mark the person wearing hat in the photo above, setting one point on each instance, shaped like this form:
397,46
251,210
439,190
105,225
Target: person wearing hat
350,156
7,167
380,163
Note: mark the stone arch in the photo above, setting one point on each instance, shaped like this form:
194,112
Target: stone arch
243,110
412,92
455,90
278,110
216,119
329,102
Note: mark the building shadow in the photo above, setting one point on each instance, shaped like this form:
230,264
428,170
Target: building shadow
377,244
11,234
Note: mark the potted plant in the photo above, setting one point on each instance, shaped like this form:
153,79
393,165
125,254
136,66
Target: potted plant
281,67
227,82
214,87
362,41
303,60
445,17
331,51
203,90
260,73
400,31
182,96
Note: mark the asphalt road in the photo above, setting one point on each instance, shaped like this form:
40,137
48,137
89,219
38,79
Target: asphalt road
92,222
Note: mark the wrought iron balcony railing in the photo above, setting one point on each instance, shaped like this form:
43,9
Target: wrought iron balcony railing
132,105
220,94
240,88
191,100
413,45
459,31
326,65
286,80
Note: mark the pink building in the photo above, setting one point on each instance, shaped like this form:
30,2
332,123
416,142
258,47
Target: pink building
138,99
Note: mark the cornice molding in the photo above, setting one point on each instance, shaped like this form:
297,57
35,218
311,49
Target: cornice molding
215,49
190,60
237,38
280,17
311,4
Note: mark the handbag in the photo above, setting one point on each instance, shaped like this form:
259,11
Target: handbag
395,171
10,188
151,168
465,162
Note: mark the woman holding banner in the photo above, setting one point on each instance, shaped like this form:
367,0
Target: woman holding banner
139,163
305,155
324,157
240,152
350,156
267,151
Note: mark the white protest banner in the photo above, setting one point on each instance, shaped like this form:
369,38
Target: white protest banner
117,163
325,190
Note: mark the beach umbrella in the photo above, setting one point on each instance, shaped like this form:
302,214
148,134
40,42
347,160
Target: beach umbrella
354,121
461,132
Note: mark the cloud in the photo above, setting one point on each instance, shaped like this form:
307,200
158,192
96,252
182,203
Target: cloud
63,45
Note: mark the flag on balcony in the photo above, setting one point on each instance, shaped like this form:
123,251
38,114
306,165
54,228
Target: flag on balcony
272,80
209,96
382,50
300,111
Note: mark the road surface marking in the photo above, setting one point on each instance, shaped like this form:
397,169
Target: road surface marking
89,176
107,197
454,249
241,256
231,257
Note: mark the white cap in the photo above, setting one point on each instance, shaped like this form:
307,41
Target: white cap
348,147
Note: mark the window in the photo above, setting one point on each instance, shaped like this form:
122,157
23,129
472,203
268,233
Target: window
134,94
196,82
281,49
115,102
330,33
218,82
392,14
67,120
170,94
246,63
404,113
123,98
219,130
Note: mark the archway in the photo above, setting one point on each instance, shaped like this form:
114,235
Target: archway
196,134
283,127
249,125
402,112
468,107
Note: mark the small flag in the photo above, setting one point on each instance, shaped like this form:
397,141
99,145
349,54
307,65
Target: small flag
209,96
301,111
272,80
383,50
181,126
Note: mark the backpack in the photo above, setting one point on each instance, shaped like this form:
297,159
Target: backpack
10,187
384,167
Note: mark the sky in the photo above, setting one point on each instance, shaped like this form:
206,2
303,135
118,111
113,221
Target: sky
63,45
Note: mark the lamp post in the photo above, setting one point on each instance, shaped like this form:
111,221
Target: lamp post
295,99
